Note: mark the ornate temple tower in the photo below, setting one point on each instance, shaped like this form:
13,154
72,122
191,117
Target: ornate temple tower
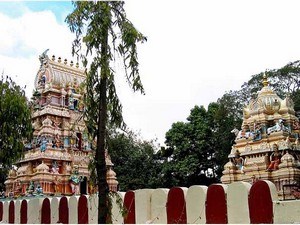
57,159
267,146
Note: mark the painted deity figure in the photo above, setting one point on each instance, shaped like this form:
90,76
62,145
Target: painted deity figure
30,189
238,161
18,188
274,158
39,190
11,194
54,168
257,132
56,184
81,106
58,142
75,180
296,128
71,102
296,125
85,141
43,144
74,139
244,133
43,79
279,126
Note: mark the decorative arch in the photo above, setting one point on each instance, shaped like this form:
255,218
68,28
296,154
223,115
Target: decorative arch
23,212
63,211
83,213
11,212
260,203
83,186
1,211
216,205
129,204
176,206
46,212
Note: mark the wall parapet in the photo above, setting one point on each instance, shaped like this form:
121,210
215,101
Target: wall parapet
238,202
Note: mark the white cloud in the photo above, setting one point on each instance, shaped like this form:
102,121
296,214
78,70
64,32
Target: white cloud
24,38
196,50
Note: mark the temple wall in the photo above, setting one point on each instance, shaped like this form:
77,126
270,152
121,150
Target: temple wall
286,212
244,204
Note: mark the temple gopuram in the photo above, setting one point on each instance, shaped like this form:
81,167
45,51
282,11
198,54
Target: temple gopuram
267,146
56,160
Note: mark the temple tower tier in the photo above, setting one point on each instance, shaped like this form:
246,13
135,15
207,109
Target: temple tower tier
267,146
56,160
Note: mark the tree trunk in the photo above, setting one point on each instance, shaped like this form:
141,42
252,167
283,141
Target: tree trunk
100,150
100,157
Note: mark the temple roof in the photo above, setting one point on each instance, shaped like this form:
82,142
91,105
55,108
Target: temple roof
268,103
58,73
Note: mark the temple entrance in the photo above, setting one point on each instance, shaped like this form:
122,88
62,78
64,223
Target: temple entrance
83,186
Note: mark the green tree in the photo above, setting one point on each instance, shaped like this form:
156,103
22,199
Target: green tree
189,152
131,155
198,149
106,33
15,123
224,115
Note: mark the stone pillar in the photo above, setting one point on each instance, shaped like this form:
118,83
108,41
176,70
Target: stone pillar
116,214
54,203
73,210
195,204
93,208
159,199
34,210
5,212
17,211
237,203
143,206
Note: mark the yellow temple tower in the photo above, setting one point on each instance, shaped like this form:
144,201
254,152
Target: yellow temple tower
267,146
57,158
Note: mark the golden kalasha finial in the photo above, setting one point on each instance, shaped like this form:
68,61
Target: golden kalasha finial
71,64
59,59
65,61
77,65
53,58
265,80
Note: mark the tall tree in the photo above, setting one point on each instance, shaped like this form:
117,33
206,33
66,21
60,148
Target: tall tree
224,115
105,31
197,149
189,151
15,123
131,155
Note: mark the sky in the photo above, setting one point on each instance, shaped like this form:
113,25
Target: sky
196,50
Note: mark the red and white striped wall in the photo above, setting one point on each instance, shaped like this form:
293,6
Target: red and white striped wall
237,203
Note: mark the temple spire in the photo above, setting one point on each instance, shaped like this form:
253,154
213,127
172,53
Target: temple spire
265,80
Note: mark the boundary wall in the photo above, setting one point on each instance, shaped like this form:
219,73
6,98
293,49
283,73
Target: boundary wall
236,203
